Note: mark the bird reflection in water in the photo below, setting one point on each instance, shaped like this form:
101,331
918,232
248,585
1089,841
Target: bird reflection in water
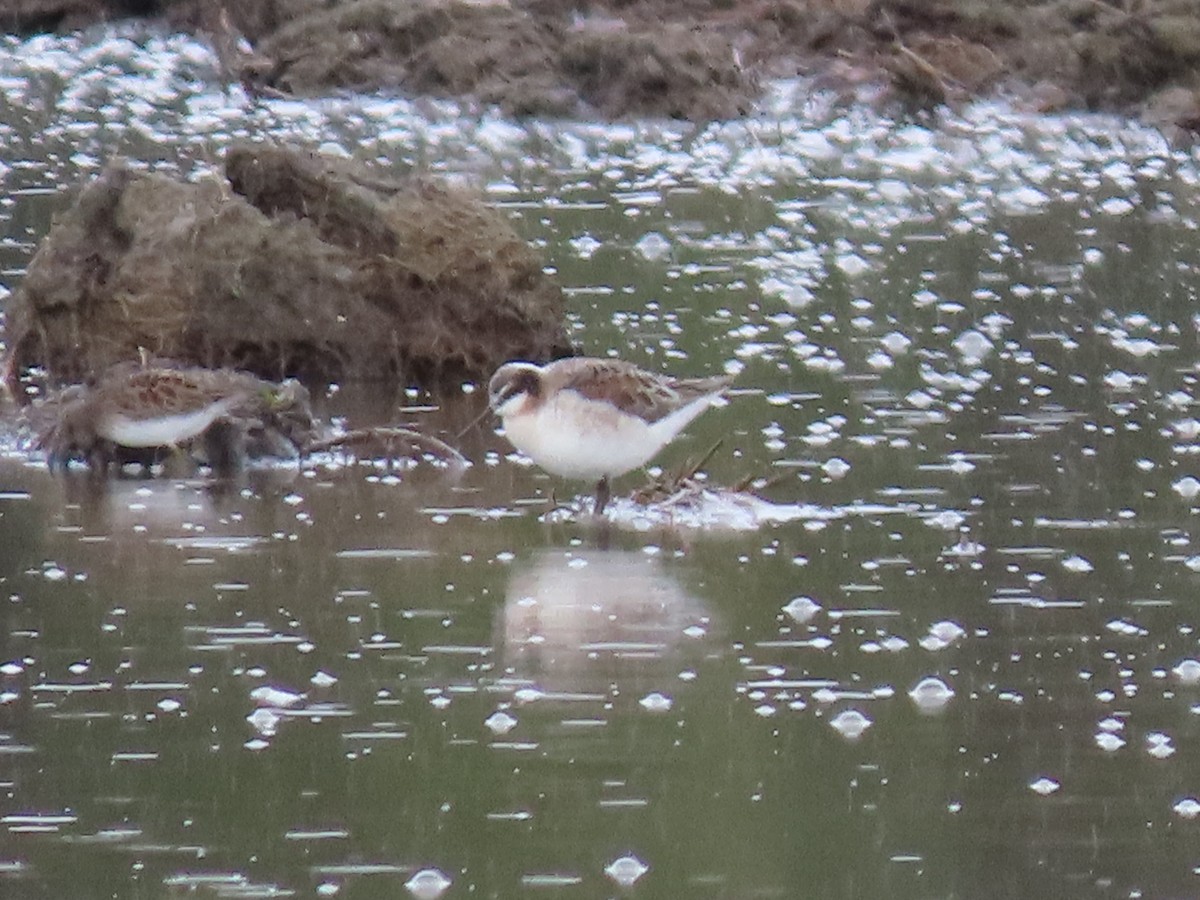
572,618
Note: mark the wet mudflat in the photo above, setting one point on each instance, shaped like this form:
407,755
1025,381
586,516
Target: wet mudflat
963,663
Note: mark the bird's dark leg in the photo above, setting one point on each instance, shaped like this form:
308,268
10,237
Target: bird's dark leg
602,495
99,457
224,443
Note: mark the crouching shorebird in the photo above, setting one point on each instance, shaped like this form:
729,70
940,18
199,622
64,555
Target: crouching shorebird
595,418
131,409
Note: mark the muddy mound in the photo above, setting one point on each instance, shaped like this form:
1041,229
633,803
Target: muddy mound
668,70
295,266
446,49
524,63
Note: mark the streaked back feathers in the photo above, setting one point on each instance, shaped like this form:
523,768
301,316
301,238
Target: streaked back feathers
620,384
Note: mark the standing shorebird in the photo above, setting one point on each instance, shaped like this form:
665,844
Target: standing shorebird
595,418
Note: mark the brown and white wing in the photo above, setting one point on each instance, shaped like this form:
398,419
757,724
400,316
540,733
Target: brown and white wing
628,388
151,392
690,388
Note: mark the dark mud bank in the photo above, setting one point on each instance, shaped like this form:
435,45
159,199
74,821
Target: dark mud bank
691,59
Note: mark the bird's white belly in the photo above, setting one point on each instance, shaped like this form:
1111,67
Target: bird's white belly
158,431
576,438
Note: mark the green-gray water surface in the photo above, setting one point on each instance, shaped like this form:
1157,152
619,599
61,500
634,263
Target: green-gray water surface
962,660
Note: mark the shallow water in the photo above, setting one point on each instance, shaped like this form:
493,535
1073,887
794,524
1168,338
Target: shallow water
963,662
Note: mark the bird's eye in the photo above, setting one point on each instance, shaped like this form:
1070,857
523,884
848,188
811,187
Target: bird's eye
511,388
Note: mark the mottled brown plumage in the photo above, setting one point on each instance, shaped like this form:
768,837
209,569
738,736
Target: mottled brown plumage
647,395
136,408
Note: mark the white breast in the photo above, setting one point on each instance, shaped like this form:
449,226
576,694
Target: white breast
159,431
571,436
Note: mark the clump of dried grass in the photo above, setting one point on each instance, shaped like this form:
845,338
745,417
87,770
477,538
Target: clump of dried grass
686,484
